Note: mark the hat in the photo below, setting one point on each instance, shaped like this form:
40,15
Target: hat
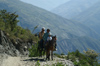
43,28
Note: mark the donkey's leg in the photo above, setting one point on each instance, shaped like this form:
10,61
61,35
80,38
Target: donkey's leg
46,55
49,56
52,55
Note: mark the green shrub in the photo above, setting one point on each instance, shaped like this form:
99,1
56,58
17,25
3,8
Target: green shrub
62,54
87,59
33,52
8,23
76,63
37,63
92,54
58,64
59,56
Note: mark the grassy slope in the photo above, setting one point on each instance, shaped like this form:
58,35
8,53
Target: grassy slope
30,16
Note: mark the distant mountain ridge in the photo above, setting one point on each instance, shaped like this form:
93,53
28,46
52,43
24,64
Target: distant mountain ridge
31,16
46,4
91,17
73,8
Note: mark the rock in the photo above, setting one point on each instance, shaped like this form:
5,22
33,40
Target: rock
13,47
3,56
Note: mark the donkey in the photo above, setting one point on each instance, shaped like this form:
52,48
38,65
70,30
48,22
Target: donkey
50,46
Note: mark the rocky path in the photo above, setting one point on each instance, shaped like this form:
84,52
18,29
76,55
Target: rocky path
31,61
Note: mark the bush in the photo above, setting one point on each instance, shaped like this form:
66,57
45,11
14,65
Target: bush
8,23
91,53
59,64
87,59
59,56
62,54
37,63
33,52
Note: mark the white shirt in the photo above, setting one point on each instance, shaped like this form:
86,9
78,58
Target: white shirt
49,38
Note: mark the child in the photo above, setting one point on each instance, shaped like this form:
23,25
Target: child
49,38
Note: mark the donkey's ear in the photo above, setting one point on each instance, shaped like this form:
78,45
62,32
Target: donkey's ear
55,37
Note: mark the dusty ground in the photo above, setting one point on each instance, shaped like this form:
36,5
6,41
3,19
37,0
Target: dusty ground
30,61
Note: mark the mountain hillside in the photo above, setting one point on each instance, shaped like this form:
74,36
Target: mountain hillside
31,16
46,4
36,16
91,17
80,43
73,7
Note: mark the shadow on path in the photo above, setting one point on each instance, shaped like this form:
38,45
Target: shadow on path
34,59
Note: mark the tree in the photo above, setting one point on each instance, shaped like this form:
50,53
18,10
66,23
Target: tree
13,21
10,19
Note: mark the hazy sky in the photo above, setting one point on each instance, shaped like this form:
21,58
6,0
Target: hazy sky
46,4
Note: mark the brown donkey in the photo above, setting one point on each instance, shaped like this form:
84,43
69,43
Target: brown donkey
50,46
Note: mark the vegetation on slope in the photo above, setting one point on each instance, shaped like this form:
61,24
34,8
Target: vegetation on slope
88,58
31,16
8,23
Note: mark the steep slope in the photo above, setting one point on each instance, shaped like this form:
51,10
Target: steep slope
76,42
13,48
46,4
73,7
31,16
91,17
80,43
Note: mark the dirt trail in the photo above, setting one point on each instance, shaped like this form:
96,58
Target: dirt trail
32,61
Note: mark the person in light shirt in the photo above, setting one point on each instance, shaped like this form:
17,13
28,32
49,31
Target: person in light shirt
49,38
41,33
